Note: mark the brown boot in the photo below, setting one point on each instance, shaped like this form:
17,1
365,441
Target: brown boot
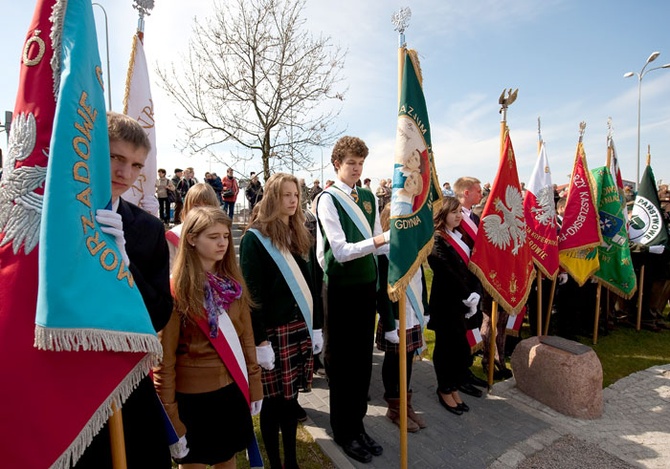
393,414
411,415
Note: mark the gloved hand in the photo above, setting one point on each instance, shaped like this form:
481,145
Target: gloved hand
256,407
179,449
472,312
658,249
111,223
426,319
387,236
265,357
317,341
473,299
562,278
392,336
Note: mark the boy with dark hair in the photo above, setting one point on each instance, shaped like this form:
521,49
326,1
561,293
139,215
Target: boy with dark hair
348,237
141,239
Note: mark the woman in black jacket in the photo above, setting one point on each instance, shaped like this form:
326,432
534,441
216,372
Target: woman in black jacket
454,297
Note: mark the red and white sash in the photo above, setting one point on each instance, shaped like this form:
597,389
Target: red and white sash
458,244
469,225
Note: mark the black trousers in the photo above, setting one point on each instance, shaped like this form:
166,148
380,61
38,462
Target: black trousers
349,319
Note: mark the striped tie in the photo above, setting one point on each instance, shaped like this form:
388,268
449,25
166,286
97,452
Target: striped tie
354,195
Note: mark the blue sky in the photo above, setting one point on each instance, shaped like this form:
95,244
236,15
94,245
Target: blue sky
567,57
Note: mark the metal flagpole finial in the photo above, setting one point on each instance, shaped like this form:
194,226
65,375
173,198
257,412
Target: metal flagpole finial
539,129
400,20
506,100
582,129
610,129
144,7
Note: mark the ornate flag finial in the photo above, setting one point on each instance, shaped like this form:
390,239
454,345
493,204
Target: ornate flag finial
143,6
400,20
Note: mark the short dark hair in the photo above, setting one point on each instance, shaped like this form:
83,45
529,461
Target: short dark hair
177,170
123,128
366,180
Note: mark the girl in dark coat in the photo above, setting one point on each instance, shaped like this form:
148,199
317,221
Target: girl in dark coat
455,295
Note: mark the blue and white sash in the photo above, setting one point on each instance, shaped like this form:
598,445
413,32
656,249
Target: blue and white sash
353,210
293,275
414,295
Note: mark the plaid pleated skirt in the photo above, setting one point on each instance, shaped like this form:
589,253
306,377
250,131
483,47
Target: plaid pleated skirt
414,339
294,361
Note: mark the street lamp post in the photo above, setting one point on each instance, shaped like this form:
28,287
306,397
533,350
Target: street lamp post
109,78
640,76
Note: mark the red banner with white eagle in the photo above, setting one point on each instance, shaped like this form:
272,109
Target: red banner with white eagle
501,258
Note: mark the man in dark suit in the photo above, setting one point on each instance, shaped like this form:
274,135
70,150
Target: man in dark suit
141,239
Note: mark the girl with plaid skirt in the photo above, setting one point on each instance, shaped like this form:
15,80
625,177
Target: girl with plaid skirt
286,315
388,341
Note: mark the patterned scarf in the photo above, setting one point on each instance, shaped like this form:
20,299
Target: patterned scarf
219,294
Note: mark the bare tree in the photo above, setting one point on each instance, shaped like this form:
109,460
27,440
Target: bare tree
255,76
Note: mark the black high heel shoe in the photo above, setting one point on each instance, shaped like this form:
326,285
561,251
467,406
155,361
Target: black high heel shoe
454,410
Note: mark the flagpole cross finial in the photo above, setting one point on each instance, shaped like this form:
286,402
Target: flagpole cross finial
582,129
400,20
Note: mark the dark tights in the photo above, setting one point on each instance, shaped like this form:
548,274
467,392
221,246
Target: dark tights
391,373
279,413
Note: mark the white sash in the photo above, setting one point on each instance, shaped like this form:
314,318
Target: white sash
352,209
229,332
414,295
471,226
293,275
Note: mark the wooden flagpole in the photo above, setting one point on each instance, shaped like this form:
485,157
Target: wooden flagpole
116,439
596,319
551,302
539,272
506,98
640,285
401,21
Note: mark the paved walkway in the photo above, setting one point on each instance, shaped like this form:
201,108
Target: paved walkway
507,429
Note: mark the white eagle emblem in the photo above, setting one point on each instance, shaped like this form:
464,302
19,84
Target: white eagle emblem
512,227
545,210
20,206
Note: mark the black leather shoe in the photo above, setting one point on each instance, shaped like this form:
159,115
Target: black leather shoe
464,407
505,373
356,451
468,388
299,412
454,410
475,381
370,445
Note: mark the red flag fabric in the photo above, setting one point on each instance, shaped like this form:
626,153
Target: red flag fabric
540,211
501,258
53,403
580,230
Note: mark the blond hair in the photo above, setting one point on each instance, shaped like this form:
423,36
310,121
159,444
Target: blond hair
293,237
188,275
123,128
462,184
199,195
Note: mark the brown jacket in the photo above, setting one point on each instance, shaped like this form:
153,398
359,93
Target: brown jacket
191,364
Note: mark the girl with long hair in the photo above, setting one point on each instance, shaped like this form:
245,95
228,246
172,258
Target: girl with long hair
209,378
454,297
286,318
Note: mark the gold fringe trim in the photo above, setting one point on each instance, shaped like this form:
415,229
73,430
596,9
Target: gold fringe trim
545,272
129,74
587,276
395,291
414,58
119,395
497,297
616,289
74,340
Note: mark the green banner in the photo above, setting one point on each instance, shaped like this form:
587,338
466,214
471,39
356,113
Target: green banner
415,185
646,221
616,268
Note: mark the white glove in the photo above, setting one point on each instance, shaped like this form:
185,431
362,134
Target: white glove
179,449
658,249
562,278
317,341
392,336
112,224
256,407
387,236
265,357
426,319
472,312
473,299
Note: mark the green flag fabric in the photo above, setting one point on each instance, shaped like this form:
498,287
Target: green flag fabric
616,268
415,192
646,221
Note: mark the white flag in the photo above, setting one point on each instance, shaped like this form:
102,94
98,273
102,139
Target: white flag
137,103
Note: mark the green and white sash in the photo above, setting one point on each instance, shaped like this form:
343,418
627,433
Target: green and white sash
352,209
293,275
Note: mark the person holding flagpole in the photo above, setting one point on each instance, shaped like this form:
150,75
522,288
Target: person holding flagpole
456,300
209,377
274,256
349,236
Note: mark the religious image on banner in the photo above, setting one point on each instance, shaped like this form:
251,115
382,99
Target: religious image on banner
580,231
540,211
646,221
415,186
616,271
501,258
